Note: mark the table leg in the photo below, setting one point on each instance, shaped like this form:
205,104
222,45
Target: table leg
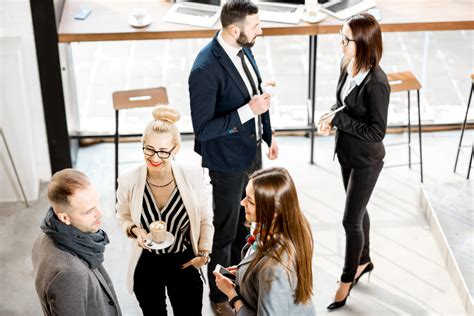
310,77
313,54
426,55
71,100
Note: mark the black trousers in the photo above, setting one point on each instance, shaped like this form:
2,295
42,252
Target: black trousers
359,185
156,274
229,217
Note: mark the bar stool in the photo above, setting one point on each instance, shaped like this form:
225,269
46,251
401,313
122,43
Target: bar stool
406,81
131,99
462,132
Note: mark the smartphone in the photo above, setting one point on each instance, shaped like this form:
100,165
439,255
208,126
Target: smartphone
82,14
225,272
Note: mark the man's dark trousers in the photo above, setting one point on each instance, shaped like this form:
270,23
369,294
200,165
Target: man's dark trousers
229,219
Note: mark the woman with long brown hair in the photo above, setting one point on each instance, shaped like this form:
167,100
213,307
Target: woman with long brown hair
275,276
363,95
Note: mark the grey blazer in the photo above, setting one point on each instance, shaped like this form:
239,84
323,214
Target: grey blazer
67,286
273,298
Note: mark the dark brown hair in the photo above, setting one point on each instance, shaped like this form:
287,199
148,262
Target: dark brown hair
285,234
368,39
64,184
235,11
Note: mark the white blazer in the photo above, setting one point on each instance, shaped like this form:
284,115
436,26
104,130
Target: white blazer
196,192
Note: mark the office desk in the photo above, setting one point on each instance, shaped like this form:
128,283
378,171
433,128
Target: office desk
108,22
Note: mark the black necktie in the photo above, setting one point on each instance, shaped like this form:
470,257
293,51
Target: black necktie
254,90
247,72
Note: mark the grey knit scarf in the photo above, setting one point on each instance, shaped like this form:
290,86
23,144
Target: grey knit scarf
87,246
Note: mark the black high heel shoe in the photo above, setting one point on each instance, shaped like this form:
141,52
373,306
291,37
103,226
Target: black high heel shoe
338,304
368,268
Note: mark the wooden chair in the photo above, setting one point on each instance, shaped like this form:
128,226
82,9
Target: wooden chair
131,99
462,132
406,81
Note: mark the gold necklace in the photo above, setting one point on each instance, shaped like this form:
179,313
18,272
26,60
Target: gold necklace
160,186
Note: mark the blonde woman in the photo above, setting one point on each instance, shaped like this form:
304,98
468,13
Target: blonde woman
162,189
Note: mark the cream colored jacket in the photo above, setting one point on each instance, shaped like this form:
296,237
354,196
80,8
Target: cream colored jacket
196,193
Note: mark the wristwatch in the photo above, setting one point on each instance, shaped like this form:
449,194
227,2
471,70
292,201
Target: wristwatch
205,254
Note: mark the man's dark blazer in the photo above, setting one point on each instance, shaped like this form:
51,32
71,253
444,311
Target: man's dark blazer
216,91
361,126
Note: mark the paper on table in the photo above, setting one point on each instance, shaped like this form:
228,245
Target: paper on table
331,113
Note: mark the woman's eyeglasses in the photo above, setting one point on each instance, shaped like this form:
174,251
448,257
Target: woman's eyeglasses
344,39
150,152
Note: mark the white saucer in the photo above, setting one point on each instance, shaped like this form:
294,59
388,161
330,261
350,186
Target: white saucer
155,246
314,19
133,22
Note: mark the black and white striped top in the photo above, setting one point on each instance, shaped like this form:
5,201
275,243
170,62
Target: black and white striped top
173,213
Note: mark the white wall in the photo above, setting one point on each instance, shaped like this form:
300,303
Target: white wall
21,109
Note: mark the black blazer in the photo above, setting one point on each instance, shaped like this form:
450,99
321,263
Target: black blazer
361,126
216,91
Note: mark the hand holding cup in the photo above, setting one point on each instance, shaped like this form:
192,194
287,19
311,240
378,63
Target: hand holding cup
141,237
260,103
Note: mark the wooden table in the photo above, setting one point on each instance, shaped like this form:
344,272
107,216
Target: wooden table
108,22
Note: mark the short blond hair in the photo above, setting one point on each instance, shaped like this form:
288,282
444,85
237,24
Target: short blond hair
164,121
64,184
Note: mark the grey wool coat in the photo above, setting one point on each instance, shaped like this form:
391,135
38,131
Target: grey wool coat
67,286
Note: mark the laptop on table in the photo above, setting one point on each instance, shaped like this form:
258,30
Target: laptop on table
203,13
343,9
283,11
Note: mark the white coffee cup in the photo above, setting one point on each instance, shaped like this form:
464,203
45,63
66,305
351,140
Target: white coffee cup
139,15
312,7
269,86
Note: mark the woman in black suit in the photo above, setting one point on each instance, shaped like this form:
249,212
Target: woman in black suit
364,92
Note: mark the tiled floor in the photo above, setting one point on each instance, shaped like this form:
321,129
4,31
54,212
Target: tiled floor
410,277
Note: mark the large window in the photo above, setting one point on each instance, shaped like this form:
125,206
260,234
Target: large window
442,62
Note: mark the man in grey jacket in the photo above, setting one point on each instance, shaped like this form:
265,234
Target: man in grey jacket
68,253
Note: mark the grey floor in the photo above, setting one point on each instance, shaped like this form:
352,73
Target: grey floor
410,277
